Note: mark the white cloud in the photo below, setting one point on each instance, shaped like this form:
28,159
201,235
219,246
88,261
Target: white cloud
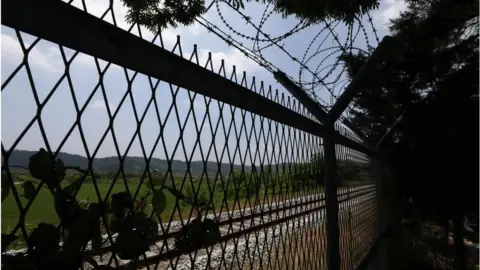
100,104
196,29
232,57
46,59
168,37
392,10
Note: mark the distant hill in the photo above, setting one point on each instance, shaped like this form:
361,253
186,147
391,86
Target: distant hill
131,164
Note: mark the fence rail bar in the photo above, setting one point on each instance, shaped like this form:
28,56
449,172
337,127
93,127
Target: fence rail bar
352,89
312,106
356,131
68,26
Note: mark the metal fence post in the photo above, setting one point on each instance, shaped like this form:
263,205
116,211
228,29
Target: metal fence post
328,120
331,201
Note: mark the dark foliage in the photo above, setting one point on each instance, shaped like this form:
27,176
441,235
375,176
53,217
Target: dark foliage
434,78
345,10
158,14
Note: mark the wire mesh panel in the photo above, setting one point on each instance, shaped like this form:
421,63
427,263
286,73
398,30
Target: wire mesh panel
105,167
154,153
358,212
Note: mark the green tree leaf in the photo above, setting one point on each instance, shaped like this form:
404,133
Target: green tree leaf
60,170
74,186
211,232
129,246
41,164
190,236
66,206
159,201
42,167
81,224
158,180
44,239
120,203
84,203
82,227
198,233
5,186
28,189
136,234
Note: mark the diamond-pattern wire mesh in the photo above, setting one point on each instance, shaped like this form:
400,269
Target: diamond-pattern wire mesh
260,175
279,149
110,14
358,214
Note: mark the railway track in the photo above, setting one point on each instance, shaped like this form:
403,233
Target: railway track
246,234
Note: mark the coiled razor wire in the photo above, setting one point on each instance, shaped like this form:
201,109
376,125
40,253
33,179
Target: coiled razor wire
326,75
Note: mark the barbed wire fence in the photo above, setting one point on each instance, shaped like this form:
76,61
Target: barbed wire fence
262,232
332,81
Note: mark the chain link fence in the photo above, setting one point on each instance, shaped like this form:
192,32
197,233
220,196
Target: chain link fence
216,183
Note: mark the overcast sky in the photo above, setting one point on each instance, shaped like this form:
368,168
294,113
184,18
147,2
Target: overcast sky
58,116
